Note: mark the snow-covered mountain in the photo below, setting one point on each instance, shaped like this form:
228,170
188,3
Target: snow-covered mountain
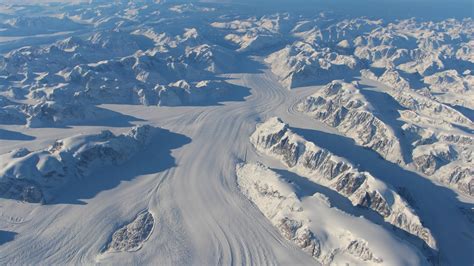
238,132
34,176
310,222
302,64
343,106
274,138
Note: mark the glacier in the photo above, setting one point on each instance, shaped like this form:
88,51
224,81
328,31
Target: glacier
236,132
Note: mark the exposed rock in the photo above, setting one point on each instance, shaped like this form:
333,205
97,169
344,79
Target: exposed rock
429,158
462,178
342,105
360,249
251,34
301,64
131,236
274,138
35,176
276,199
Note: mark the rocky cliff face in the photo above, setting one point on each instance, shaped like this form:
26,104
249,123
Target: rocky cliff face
439,135
426,67
111,66
276,199
274,138
302,64
343,106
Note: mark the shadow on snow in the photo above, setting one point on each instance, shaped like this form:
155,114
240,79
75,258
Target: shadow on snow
13,135
6,236
154,159
438,207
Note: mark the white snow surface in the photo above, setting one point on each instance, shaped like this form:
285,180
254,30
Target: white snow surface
320,166
130,134
314,220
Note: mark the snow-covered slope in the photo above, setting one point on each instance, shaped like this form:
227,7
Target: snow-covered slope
130,122
302,64
440,137
274,138
317,227
252,34
38,24
117,66
343,106
35,176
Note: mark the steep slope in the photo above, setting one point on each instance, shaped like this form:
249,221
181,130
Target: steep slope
311,224
302,64
343,106
377,169
36,176
274,138
440,136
